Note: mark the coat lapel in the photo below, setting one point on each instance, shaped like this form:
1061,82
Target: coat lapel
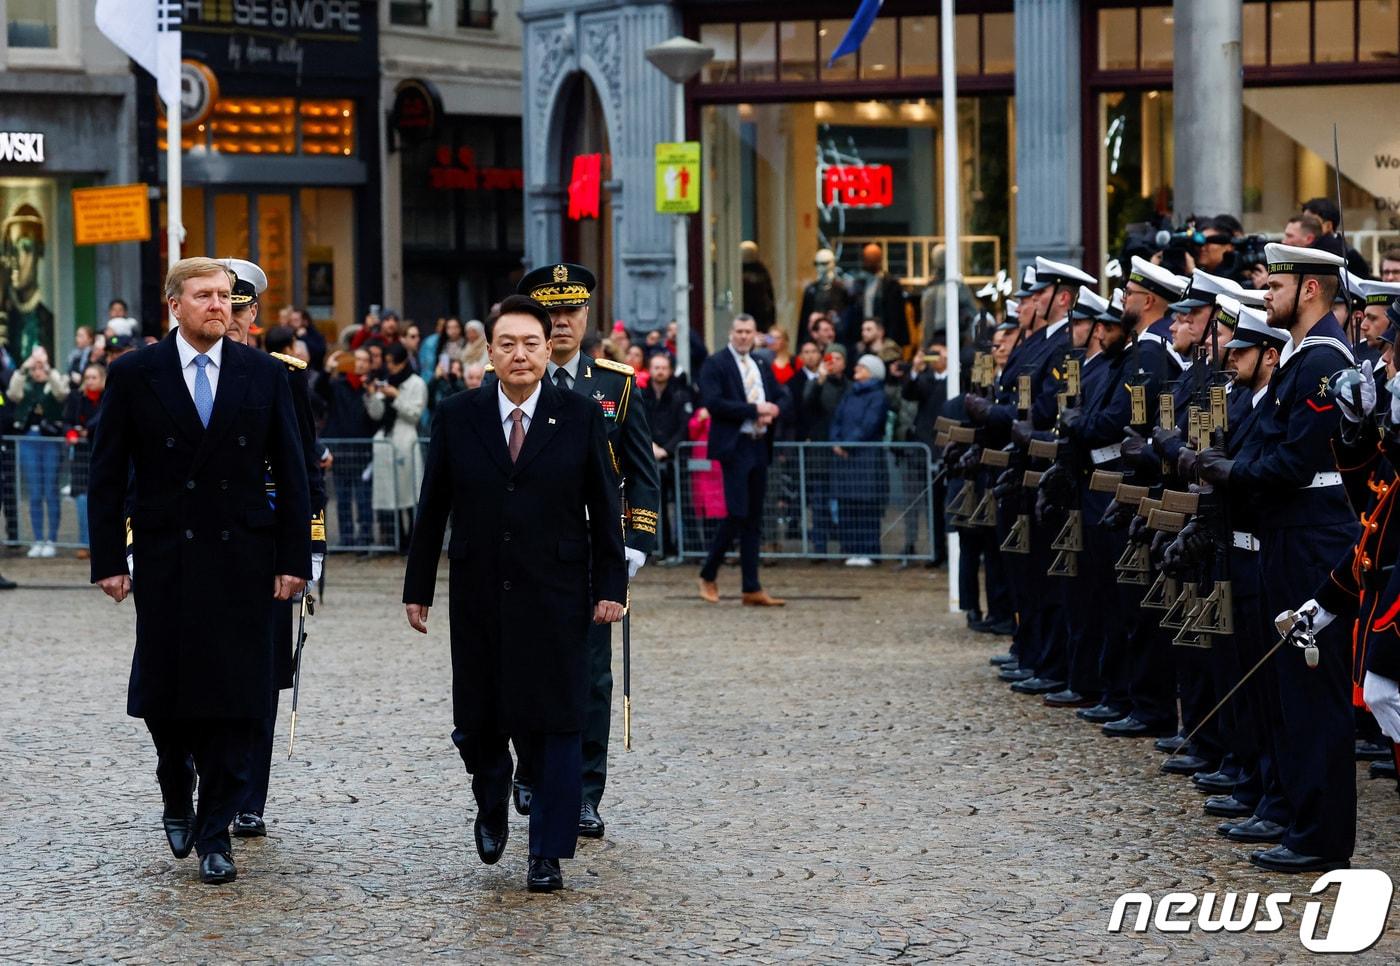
233,387
486,421
543,426
163,375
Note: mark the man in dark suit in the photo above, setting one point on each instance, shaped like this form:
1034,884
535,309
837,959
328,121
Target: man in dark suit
189,430
740,394
528,465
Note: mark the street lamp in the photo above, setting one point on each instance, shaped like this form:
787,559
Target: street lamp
680,59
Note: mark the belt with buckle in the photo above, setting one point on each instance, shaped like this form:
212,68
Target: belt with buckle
1244,541
1106,453
1324,479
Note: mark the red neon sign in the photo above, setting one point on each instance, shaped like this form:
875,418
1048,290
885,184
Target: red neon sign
586,186
857,185
460,172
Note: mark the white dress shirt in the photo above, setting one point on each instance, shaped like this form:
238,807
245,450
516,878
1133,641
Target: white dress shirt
507,407
571,367
749,427
188,368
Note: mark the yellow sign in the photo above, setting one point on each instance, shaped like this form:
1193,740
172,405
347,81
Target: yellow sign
678,178
114,213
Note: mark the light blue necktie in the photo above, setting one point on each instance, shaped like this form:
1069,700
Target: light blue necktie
203,392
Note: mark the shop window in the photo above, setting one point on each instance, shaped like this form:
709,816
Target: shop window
830,33
1334,40
32,23
1380,26
919,46
1255,29
999,43
878,54
1157,24
328,127
1289,33
967,44
1118,39
409,13
757,51
798,48
480,14
253,125
231,227
719,37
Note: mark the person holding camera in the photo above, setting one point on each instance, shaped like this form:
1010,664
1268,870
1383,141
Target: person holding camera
37,392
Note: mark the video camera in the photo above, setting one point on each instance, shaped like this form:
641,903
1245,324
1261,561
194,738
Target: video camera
1146,239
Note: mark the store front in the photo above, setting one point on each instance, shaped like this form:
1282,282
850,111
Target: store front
799,156
282,168
1301,60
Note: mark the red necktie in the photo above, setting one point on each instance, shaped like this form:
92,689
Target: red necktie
517,432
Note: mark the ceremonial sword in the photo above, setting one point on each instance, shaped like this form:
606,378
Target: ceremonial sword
308,606
627,673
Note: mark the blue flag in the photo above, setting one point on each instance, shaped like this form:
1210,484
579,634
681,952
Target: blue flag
855,33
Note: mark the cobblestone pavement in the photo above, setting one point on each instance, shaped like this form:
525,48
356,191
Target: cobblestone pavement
841,780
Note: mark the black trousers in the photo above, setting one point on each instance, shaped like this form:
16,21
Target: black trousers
555,763
745,484
260,763
219,751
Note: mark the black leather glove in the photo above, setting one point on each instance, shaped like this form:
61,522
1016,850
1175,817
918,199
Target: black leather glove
1186,461
1161,436
970,460
1021,433
1070,421
977,408
1058,486
1117,516
1137,529
1134,444
1008,482
1214,468
953,454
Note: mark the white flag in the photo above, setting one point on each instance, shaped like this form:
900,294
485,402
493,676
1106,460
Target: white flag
147,31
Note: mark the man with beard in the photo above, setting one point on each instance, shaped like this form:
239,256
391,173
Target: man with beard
1305,525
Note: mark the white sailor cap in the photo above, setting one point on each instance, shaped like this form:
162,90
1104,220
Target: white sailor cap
249,281
1293,260
1114,312
1252,298
1251,326
1157,279
1027,283
1089,304
1013,307
1049,273
1203,290
1377,293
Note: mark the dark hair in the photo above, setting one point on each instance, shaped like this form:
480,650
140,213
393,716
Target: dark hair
589,344
1391,255
121,302
521,305
396,353
279,338
1227,224
1324,208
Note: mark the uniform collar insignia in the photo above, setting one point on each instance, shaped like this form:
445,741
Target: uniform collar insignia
598,394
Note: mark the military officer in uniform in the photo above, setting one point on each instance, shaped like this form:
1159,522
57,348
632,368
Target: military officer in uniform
565,290
250,281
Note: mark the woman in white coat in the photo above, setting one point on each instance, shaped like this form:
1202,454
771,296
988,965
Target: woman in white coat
396,402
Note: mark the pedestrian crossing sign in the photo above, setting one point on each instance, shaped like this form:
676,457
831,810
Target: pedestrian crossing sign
678,178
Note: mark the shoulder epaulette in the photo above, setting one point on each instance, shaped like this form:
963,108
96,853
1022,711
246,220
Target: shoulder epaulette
621,367
490,367
292,361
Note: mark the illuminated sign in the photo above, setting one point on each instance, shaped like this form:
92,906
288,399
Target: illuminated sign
856,185
586,186
459,172
21,147
111,213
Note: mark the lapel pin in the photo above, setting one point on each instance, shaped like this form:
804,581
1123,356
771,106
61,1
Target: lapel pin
551,420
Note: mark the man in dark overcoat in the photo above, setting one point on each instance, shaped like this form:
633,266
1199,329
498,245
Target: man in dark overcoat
193,425
536,557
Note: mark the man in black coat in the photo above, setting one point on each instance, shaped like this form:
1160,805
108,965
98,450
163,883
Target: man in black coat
740,394
195,424
528,465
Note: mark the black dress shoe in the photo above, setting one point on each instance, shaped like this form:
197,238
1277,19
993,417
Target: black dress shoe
179,832
1226,827
523,795
1099,714
1373,751
1171,744
1131,727
7,584
1001,660
491,836
216,868
1215,781
544,875
246,825
1257,830
1067,698
1381,769
1004,627
1015,674
1281,858
1227,806
1038,685
974,617
590,823
1186,765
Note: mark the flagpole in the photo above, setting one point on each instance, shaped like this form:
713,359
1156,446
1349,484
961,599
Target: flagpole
174,178
952,249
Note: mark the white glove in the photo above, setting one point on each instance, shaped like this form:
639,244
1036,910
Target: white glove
635,559
1394,387
1382,696
1368,396
130,565
318,563
1323,617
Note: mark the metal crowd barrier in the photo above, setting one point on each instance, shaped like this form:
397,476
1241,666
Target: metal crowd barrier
871,500
43,493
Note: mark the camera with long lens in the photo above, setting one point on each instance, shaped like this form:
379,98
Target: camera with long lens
1174,243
